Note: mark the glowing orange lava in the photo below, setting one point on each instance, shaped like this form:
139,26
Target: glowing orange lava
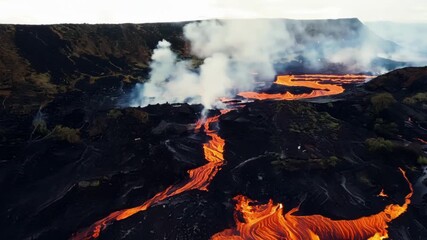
314,81
382,194
267,221
199,178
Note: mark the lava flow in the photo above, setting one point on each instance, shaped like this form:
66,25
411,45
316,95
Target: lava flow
267,221
314,81
382,194
199,178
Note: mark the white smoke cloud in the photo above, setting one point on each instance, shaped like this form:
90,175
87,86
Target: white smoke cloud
411,36
170,79
231,53
234,49
344,41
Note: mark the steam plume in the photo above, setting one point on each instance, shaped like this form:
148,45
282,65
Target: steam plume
231,53
234,49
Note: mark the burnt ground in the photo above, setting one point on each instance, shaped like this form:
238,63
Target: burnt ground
79,158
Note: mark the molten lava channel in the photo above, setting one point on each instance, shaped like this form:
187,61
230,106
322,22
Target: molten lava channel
199,178
267,222
314,81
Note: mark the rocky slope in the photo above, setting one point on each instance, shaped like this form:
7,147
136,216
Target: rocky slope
69,165
69,156
38,62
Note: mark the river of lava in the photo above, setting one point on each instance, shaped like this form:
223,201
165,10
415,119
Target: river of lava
199,178
267,221
314,81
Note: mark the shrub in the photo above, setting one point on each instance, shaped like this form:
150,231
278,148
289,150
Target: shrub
417,98
114,113
379,144
422,160
382,101
310,121
332,161
385,129
42,81
139,114
70,135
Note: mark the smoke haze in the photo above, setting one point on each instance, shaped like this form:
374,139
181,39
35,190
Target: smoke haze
232,53
411,36
238,53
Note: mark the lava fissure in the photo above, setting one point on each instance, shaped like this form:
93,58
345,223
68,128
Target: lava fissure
199,178
267,221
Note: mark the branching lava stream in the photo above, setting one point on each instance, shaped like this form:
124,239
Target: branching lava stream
199,178
268,221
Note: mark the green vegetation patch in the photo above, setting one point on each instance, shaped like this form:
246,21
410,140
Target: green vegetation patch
379,145
422,160
312,122
385,129
382,101
417,98
70,135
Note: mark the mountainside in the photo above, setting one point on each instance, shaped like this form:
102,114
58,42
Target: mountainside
37,62
77,163
68,165
344,32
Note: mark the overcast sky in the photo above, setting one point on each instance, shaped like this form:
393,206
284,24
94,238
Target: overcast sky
138,11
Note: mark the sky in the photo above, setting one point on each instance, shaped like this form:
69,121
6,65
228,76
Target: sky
140,11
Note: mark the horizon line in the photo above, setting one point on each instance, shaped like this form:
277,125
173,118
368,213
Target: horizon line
205,19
